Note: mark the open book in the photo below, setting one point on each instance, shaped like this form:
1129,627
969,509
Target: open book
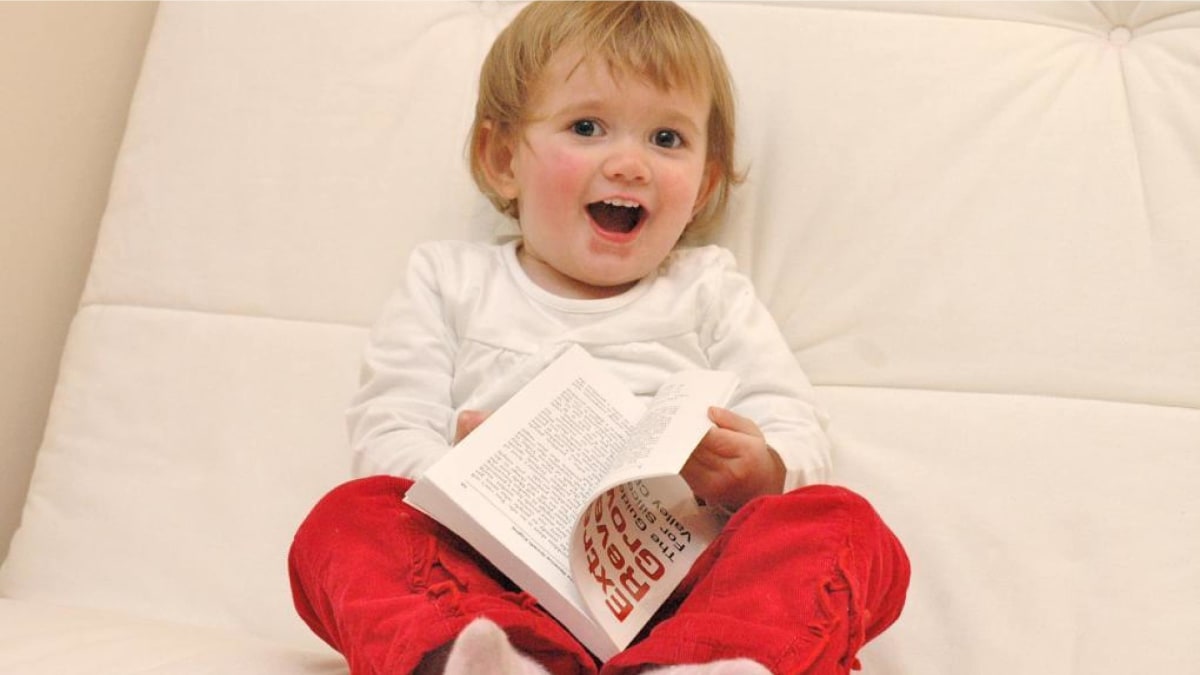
572,490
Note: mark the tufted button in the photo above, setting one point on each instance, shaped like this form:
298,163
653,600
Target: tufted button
1120,35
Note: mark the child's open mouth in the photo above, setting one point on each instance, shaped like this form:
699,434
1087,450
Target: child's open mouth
616,215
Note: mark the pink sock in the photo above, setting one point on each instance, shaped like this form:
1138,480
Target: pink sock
482,647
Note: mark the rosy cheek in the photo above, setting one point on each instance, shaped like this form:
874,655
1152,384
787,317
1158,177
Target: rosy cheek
682,187
564,171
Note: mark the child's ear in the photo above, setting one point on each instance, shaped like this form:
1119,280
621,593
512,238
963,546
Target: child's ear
496,158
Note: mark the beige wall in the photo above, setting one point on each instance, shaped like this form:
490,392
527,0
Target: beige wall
67,72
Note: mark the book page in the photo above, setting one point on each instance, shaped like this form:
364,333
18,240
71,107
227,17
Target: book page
542,476
634,544
673,424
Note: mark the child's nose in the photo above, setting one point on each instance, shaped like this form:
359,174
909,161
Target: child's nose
627,163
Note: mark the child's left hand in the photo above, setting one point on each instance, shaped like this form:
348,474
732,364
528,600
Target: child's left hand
467,421
733,463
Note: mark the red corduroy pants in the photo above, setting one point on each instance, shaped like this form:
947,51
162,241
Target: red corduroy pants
798,582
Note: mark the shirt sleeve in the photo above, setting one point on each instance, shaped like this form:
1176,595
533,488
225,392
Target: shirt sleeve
401,418
773,389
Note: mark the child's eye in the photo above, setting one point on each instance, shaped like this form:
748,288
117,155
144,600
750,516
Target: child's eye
666,138
586,128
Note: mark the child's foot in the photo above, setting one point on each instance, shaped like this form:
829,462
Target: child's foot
728,667
482,647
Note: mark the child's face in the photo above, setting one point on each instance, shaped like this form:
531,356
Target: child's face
607,175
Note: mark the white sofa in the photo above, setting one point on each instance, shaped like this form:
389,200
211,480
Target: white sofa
978,225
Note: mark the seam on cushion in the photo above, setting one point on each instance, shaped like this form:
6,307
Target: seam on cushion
1141,27
1144,188
218,314
910,9
1012,394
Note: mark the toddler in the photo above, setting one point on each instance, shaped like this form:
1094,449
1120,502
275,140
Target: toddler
606,130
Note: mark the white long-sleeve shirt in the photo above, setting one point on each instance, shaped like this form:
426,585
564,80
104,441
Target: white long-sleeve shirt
470,328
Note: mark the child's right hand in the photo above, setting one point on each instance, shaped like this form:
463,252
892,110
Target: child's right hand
467,421
733,463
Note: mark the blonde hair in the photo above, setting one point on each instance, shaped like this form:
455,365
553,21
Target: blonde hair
658,41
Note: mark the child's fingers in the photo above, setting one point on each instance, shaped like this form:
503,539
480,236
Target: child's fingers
733,465
727,419
467,421
704,476
723,444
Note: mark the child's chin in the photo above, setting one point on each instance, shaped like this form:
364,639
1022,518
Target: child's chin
615,284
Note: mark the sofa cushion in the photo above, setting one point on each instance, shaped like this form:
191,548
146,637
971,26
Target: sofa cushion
42,639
